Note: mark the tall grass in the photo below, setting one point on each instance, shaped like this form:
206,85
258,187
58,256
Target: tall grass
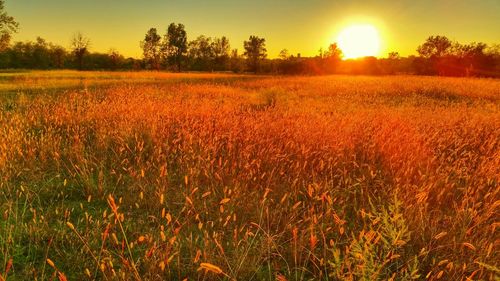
211,177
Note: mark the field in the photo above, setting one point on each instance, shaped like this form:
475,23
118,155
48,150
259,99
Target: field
157,176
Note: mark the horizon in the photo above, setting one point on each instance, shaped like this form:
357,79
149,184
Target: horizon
298,27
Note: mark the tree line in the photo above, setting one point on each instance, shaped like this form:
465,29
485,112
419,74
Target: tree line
41,54
172,51
438,55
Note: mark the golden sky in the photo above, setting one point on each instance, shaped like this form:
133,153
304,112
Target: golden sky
301,26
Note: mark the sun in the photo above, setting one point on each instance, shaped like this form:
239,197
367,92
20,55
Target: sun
359,40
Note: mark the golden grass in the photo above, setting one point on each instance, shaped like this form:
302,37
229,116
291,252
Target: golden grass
207,176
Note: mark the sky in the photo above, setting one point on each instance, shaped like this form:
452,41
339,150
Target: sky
301,26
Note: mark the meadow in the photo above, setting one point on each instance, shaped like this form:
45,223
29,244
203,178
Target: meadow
160,176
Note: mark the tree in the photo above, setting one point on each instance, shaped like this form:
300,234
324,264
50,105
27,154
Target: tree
236,63
493,51
175,44
255,51
8,25
58,56
220,48
474,59
201,53
40,57
80,45
151,49
434,56
334,52
393,56
284,54
391,64
115,59
39,54
20,54
321,53
435,47
332,58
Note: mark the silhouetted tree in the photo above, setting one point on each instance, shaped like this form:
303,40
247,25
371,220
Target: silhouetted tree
284,54
284,62
80,45
393,56
475,59
151,49
20,55
466,58
175,44
205,53
201,53
34,55
255,51
432,53
236,62
435,46
40,57
115,59
333,56
391,64
334,52
321,53
58,56
493,52
220,48
8,25
41,54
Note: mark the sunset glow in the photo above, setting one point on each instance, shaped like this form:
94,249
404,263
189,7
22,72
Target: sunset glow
359,41
249,140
